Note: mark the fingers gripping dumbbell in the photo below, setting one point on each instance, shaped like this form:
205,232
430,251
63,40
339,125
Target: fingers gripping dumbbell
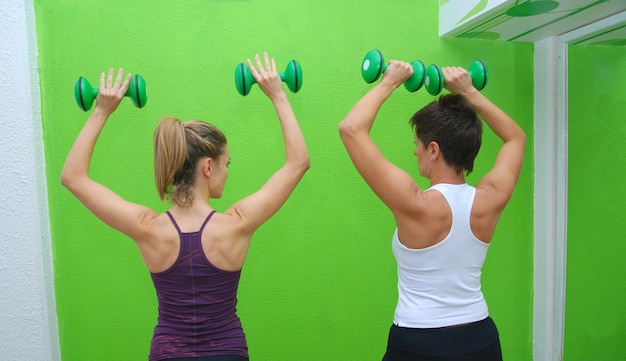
85,94
374,66
434,81
292,76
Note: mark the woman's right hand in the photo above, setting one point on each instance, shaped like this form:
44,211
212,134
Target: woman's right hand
397,73
267,77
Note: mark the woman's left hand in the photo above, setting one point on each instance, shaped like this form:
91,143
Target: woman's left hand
457,80
111,93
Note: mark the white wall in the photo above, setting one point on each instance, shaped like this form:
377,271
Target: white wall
28,323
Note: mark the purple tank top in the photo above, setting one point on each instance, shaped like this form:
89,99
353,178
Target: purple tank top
197,305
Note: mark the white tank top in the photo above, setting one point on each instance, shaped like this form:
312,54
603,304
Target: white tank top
439,285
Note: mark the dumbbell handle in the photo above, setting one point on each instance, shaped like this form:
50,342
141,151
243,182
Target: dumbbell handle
373,66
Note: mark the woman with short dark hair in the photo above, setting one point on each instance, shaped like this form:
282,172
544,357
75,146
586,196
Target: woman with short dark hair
443,232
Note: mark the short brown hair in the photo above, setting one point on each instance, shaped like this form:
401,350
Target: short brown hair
453,124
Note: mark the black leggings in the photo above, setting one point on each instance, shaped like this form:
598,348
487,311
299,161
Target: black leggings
210,358
477,341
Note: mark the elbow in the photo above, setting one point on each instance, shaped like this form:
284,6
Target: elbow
298,164
66,181
345,130
516,136
69,181
305,163
522,137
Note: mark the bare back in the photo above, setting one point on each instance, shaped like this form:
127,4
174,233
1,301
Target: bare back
431,220
221,244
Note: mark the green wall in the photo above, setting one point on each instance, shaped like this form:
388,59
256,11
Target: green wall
595,317
319,281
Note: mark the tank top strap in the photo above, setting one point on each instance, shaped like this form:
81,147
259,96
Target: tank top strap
174,222
206,221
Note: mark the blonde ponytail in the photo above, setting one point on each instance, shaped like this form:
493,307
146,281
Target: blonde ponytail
177,149
170,152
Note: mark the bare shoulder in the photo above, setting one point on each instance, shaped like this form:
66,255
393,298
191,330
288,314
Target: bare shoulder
154,226
159,243
489,200
430,201
230,221
486,211
226,229
414,205
428,224
225,242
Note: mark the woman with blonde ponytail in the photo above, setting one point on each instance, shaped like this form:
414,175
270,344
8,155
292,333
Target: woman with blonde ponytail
194,253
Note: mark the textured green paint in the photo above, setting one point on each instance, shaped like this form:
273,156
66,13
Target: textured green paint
595,317
319,281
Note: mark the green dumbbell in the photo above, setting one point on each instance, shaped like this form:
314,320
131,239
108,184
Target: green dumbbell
292,76
434,77
85,94
374,66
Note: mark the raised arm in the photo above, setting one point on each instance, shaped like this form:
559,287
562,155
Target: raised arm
391,184
260,206
501,179
102,202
